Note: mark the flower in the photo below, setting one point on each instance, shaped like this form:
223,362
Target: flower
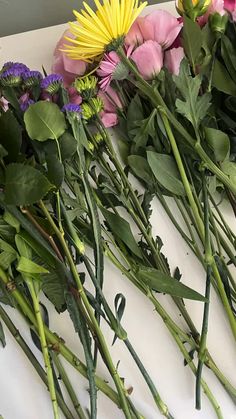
173,58
92,108
106,68
193,8
52,83
230,5
69,69
86,87
160,26
74,97
111,103
72,109
135,35
148,58
31,78
25,101
103,30
11,77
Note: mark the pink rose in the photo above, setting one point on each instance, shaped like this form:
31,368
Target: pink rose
148,57
162,27
135,36
173,58
111,102
68,68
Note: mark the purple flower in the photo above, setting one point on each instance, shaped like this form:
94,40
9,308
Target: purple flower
25,104
31,78
15,66
71,108
11,77
52,83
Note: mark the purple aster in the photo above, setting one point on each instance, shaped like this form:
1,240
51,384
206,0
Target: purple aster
71,108
11,77
15,66
31,78
52,83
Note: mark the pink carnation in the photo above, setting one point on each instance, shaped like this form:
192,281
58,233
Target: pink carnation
148,57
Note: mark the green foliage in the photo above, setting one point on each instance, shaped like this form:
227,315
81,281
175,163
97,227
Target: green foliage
193,107
161,282
121,230
25,185
221,79
166,172
10,135
55,170
141,169
54,288
2,336
27,266
44,121
192,40
219,143
229,168
228,53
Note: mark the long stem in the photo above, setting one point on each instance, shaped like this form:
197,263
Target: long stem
208,261
33,360
63,375
44,347
106,353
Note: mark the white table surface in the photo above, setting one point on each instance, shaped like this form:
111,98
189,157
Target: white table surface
22,394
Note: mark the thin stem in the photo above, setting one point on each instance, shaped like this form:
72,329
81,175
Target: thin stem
208,261
33,360
63,375
44,347
106,353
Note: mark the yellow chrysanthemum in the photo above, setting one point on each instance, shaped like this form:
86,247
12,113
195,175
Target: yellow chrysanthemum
96,31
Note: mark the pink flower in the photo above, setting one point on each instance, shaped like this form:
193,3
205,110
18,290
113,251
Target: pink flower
173,58
111,102
148,57
4,104
234,15
216,6
68,68
107,68
230,5
135,36
74,97
162,27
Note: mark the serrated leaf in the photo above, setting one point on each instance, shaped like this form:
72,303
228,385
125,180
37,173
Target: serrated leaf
10,135
218,142
192,36
146,128
44,120
25,185
134,114
121,229
161,282
2,337
27,266
194,107
166,172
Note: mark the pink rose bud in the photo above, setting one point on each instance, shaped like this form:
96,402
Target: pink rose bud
162,27
68,68
173,58
148,57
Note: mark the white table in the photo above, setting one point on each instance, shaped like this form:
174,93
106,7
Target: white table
23,396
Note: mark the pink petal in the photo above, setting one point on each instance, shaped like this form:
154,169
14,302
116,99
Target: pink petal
109,119
173,58
162,27
148,57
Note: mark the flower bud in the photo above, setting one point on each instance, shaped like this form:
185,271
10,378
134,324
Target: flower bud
192,8
218,22
86,87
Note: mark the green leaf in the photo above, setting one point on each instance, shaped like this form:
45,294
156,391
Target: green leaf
25,185
123,147
55,170
228,53
12,221
146,128
192,37
38,249
229,168
10,135
6,259
23,248
194,107
121,229
218,142
54,289
221,79
2,338
44,121
134,114
166,172
7,232
26,265
68,145
141,168
161,282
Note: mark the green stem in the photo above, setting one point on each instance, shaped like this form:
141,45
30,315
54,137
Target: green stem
208,261
33,360
61,370
44,347
106,353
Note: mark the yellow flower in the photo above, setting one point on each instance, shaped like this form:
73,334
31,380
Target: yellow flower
193,7
104,29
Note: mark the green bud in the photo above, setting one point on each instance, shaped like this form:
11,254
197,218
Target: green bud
86,87
218,23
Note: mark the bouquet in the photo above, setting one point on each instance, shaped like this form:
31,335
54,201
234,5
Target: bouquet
168,85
